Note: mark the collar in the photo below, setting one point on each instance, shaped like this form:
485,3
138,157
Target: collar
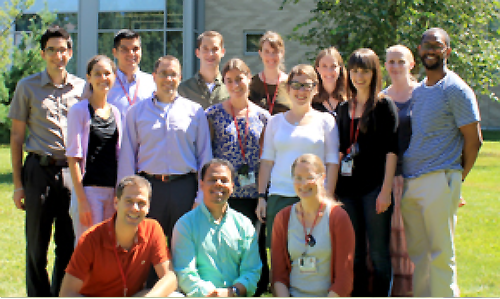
438,83
155,101
209,216
110,241
123,77
218,79
45,79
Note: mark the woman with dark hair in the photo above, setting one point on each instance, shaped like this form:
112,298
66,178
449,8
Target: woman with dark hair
312,249
367,125
268,88
236,126
92,148
332,86
288,135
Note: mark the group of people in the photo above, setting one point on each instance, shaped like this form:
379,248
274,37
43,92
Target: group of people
319,165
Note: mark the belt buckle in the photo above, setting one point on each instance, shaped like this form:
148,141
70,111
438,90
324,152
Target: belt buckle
165,178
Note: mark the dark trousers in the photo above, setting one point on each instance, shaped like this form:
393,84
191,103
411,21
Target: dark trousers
47,191
169,201
377,228
247,206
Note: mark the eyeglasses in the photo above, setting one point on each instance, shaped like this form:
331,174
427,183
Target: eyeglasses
299,86
309,180
52,51
433,47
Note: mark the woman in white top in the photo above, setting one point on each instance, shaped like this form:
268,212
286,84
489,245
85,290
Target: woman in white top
288,135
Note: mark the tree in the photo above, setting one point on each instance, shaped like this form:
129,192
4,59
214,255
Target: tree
22,60
473,27
11,10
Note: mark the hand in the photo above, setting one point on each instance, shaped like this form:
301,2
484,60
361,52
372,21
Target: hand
261,210
18,197
383,201
219,292
397,189
462,202
332,294
194,205
85,212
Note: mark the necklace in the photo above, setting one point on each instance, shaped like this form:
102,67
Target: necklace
308,237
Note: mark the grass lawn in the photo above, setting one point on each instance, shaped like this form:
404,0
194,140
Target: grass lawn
477,242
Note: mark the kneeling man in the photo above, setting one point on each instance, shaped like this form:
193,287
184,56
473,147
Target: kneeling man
214,247
113,258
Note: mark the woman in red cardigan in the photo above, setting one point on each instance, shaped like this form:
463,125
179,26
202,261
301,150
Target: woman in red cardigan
312,249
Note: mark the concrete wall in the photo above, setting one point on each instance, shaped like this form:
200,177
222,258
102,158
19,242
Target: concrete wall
490,110
233,17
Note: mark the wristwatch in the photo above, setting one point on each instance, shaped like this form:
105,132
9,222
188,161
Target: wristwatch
262,195
235,291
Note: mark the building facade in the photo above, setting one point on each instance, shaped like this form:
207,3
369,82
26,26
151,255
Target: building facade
171,27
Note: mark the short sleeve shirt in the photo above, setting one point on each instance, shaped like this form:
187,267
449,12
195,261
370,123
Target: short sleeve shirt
226,142
44,108
95,263
438,113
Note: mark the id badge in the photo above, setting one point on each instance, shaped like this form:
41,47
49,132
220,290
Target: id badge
246,180
346,167
307,264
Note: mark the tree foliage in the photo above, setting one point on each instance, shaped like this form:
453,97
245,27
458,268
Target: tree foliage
21,60
473,27
10,11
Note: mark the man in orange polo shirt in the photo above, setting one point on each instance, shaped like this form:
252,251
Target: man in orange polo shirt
113,258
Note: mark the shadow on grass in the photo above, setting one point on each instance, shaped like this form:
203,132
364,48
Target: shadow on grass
6,177
491,135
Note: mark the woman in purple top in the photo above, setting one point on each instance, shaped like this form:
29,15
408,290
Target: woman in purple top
92,148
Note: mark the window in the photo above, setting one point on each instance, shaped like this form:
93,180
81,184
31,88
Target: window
68,21
160,27
251,40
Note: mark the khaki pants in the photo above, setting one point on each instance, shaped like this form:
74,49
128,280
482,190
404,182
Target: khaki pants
429,207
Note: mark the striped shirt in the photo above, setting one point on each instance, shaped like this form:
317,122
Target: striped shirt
438,113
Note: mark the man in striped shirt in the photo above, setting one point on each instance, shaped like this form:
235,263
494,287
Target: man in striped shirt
446,137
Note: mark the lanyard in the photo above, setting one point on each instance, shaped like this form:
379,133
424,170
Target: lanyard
351,129
122,273
269,103
130,101
238,130
307,236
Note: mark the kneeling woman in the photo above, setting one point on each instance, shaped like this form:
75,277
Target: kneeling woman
93,146
312,252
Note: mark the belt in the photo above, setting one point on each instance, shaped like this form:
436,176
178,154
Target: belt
46,160
165,177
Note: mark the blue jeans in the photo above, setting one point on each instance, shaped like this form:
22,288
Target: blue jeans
377,228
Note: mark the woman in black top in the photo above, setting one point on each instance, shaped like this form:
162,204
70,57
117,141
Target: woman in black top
332,81
92,148
367,125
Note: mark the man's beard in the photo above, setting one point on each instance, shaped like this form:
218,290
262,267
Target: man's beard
439,63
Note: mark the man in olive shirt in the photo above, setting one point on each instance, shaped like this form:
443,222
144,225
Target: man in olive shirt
42,186
206,87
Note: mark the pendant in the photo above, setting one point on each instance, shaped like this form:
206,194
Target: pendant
310,240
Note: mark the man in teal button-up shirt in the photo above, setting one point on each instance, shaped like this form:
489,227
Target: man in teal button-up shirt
214,247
